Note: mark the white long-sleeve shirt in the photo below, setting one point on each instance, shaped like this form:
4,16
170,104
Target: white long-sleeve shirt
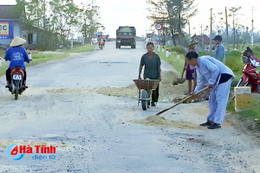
209,71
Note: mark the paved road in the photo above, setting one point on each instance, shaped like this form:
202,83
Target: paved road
92,132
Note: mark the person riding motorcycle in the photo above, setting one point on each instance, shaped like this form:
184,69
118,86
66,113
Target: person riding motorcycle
17,55
248,53
250,68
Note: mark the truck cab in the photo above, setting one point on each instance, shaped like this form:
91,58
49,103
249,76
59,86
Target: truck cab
125,36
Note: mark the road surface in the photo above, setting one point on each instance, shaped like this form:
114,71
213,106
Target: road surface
93,132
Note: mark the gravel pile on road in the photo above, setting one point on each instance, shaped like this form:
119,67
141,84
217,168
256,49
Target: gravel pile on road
168,91
155,120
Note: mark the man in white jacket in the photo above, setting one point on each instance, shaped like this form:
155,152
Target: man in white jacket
217,76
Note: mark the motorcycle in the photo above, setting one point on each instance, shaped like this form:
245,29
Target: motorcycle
101,46
17,82
250,75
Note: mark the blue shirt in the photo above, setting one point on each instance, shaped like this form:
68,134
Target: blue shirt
220,53
209,71
17,56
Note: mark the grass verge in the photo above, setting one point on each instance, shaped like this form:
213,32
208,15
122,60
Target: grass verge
81,49
42,58
2,54
172,60
253,112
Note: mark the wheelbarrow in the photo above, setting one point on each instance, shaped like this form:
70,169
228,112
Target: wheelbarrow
145,88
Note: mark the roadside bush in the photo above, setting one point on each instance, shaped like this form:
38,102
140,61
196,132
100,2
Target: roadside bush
178,49
234,61
204,52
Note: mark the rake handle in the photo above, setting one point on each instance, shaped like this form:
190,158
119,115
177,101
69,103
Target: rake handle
183,100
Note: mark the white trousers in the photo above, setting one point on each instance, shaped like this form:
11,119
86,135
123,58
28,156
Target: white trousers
218,100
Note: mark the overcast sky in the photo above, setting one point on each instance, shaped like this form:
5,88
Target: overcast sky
116,13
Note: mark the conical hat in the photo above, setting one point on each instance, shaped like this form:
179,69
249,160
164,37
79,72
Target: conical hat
17,41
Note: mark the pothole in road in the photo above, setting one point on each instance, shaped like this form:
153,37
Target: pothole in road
160,121
199,141
113,62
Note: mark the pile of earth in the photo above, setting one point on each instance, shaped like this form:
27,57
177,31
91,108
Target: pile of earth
168,90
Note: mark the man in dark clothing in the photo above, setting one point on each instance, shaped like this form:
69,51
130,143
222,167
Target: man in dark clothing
152,69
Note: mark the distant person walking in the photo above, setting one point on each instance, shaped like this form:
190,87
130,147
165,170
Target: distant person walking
219,49
191,74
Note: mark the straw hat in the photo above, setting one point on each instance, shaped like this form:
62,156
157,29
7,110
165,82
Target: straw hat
17,41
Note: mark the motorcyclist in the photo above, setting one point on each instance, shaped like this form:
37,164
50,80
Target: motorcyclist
101,43
17,55
250,69
253,60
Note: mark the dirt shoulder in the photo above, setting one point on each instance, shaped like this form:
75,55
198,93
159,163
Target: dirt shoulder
246,125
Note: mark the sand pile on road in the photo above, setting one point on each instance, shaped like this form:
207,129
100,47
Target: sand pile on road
130,91
67,90
168,91
6,143
160,121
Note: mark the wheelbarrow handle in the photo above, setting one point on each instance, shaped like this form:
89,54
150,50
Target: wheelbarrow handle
183,100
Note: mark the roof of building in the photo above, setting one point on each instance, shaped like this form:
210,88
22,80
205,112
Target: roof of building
201,39
9,12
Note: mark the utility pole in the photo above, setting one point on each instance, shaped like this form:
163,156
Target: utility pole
227,30
234,31
210,36
202,36
189,27
252,32
45,38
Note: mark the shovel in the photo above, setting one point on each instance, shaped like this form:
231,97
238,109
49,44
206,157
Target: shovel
183,100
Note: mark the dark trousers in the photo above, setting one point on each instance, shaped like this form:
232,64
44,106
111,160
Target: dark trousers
155,94
8,76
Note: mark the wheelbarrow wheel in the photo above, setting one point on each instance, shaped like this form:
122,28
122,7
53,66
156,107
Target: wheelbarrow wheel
144,99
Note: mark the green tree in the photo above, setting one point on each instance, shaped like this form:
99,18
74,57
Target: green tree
57,19
174,14
90,25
